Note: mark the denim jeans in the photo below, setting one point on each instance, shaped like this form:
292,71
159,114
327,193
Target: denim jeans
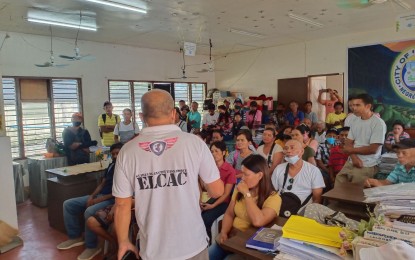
217,253
72,208
209,216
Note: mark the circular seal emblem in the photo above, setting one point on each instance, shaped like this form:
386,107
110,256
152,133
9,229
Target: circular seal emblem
403,75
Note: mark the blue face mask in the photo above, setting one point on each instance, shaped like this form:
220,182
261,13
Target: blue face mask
331,140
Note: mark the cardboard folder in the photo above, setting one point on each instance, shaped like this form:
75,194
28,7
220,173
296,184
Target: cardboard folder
309,230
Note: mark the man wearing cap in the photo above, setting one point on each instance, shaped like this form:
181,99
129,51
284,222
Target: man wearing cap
77,141
107,123
405,168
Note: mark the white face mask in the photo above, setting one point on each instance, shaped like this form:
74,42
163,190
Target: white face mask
292,159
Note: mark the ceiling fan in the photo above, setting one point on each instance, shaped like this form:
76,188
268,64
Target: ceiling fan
51,62
367,3
77,55
183,68
210,63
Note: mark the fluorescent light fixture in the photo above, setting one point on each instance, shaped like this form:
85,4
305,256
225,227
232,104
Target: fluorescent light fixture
74,26
233,30
119,5
304,20
403,4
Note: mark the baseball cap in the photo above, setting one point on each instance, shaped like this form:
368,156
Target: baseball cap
77,114
405,144
237,100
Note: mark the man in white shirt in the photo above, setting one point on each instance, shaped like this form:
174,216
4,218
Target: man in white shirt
304,179
364,142
161,167
210,118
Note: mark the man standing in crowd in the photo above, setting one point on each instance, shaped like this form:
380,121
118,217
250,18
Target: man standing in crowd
161,167
364,142
351,116
310,114
107,123
194,118
182,103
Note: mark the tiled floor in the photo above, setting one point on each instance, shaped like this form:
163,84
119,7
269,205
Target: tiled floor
39,238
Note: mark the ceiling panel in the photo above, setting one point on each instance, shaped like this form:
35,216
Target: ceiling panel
168,23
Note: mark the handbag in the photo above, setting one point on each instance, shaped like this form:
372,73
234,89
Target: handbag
290,203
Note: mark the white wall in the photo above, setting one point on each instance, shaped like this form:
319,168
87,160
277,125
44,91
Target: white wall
8,212
22,51
257,72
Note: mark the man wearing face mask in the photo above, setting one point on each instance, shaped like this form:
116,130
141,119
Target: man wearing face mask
303,179
77,141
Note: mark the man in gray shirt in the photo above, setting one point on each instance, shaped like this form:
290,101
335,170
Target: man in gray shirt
364,142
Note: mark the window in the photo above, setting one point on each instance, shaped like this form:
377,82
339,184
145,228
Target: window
121,96
124,94
37,109
10,114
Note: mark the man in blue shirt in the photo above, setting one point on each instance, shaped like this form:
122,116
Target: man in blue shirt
405,170
88,205
194,118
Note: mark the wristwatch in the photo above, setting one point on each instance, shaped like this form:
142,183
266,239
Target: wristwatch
248,195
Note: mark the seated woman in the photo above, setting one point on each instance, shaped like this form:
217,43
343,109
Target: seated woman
254,203
243,150
309,153
271,151
307,137
214,208
395,136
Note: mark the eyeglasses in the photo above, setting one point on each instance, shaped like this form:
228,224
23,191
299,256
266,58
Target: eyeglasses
290,181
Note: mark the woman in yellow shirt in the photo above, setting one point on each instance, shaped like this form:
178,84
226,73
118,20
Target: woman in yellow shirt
254,203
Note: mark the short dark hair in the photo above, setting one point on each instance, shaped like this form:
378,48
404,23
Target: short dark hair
247,133
346,128
253,104
308,102
338,103
222,107
211,107
182,101
185,107
217,131
366,98
237,114
107,103
304,129
398,122
116,146
332,130
219,144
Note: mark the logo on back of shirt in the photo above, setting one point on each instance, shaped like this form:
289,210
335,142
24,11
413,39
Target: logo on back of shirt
158,147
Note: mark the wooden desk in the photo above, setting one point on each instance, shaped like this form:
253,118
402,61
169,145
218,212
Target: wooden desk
71,181
237,243
346,192
348,198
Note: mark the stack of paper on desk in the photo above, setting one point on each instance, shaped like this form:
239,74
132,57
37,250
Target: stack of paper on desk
306,250
387,162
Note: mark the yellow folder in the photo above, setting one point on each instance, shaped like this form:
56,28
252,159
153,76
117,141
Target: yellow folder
309,230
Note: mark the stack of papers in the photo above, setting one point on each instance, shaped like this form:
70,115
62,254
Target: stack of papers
394,201
388,162
305,238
